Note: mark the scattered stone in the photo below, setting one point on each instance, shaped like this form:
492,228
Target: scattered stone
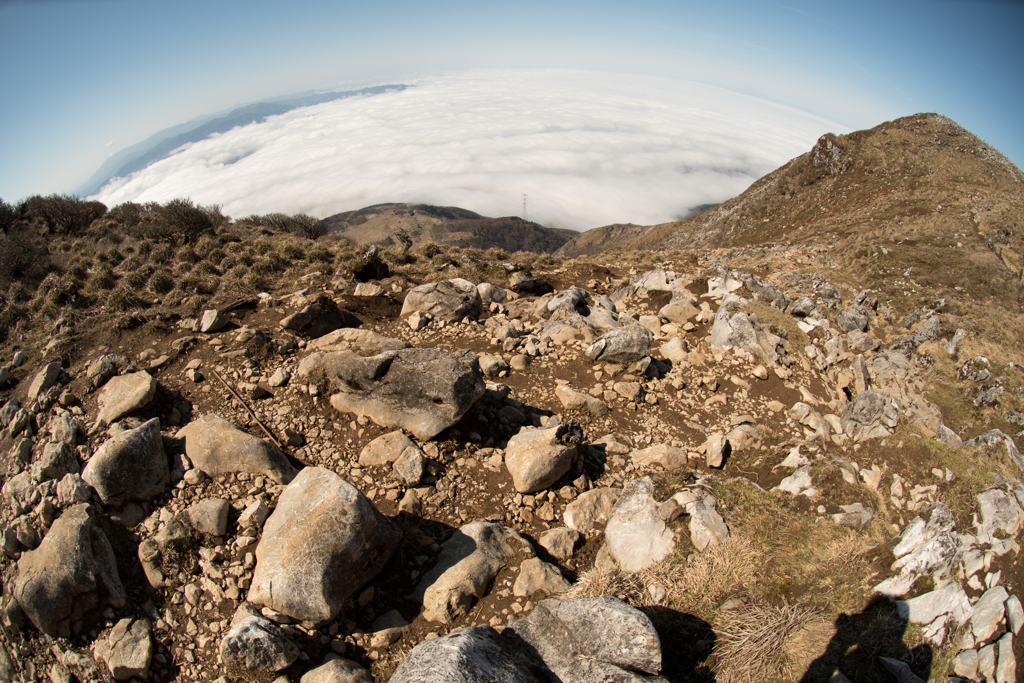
561,542
44,379
209,516
988,613
337,671
212,321
319,317
707,528
590,509
855,516
668,457
280,378
621,345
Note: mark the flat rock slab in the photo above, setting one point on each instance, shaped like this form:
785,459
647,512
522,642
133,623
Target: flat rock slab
216,446
422,391
470,655
71,574
322,543
125,394
131,465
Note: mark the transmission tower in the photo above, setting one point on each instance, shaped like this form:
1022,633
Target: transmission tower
444,230
525,214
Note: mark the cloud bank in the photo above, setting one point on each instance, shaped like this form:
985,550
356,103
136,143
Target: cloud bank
588,149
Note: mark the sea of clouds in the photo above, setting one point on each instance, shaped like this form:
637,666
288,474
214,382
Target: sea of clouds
588,149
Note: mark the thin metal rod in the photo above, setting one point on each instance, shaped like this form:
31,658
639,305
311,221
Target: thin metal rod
248,410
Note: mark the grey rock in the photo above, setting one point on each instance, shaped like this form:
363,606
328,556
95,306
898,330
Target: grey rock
212,321
491,293
853,318
707,528
129,466
359,341
368,289
870,415
1014,614
977,369
1000,512
385,449
215,446
209,516
279,378
470,655
466,566
995,437
987,662
257,644
855,516
125,394
72,489
733,330
127,650
20,422
949,599
322,543
535,575
1006,669
54,462
928,332
966,664
862,341
954,343
664,455
423,391
319,317
621,345
410,466
492,366
798,482
987,616
560,542
590,509
681,309
64,429
337,671
591,639
931,547
448,300
44,379
537,458
636,534
8,411
802,307
70,575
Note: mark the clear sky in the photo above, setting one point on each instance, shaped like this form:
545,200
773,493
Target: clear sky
83,79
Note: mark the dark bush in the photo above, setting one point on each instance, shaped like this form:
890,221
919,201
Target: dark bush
23,255
7,215
179,221
62,213
307,226
161,282
128,214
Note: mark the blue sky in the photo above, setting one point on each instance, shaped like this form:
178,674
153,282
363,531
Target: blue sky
83,79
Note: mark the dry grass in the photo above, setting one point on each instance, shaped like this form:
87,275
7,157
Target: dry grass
769,643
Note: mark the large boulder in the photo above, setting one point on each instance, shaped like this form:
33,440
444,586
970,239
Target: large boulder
537,458
129,466
319,316
681,309
422,391
71,574
591,639
870,415
215,446
323,542
620,345
467,565
733,330
471,655
125,394
448,300
636,535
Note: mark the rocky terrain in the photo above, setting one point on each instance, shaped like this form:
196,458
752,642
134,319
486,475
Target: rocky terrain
739,463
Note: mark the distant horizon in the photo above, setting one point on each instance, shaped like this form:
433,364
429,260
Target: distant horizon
88,79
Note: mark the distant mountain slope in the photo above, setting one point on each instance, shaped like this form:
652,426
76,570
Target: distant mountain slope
918,193
160,145
424,223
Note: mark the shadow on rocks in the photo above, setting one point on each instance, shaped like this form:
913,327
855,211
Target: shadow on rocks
686,643
862,639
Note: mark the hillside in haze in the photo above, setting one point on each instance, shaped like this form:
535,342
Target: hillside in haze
919,195
379,224
161,145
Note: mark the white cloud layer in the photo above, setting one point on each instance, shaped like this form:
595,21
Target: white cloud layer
588,149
